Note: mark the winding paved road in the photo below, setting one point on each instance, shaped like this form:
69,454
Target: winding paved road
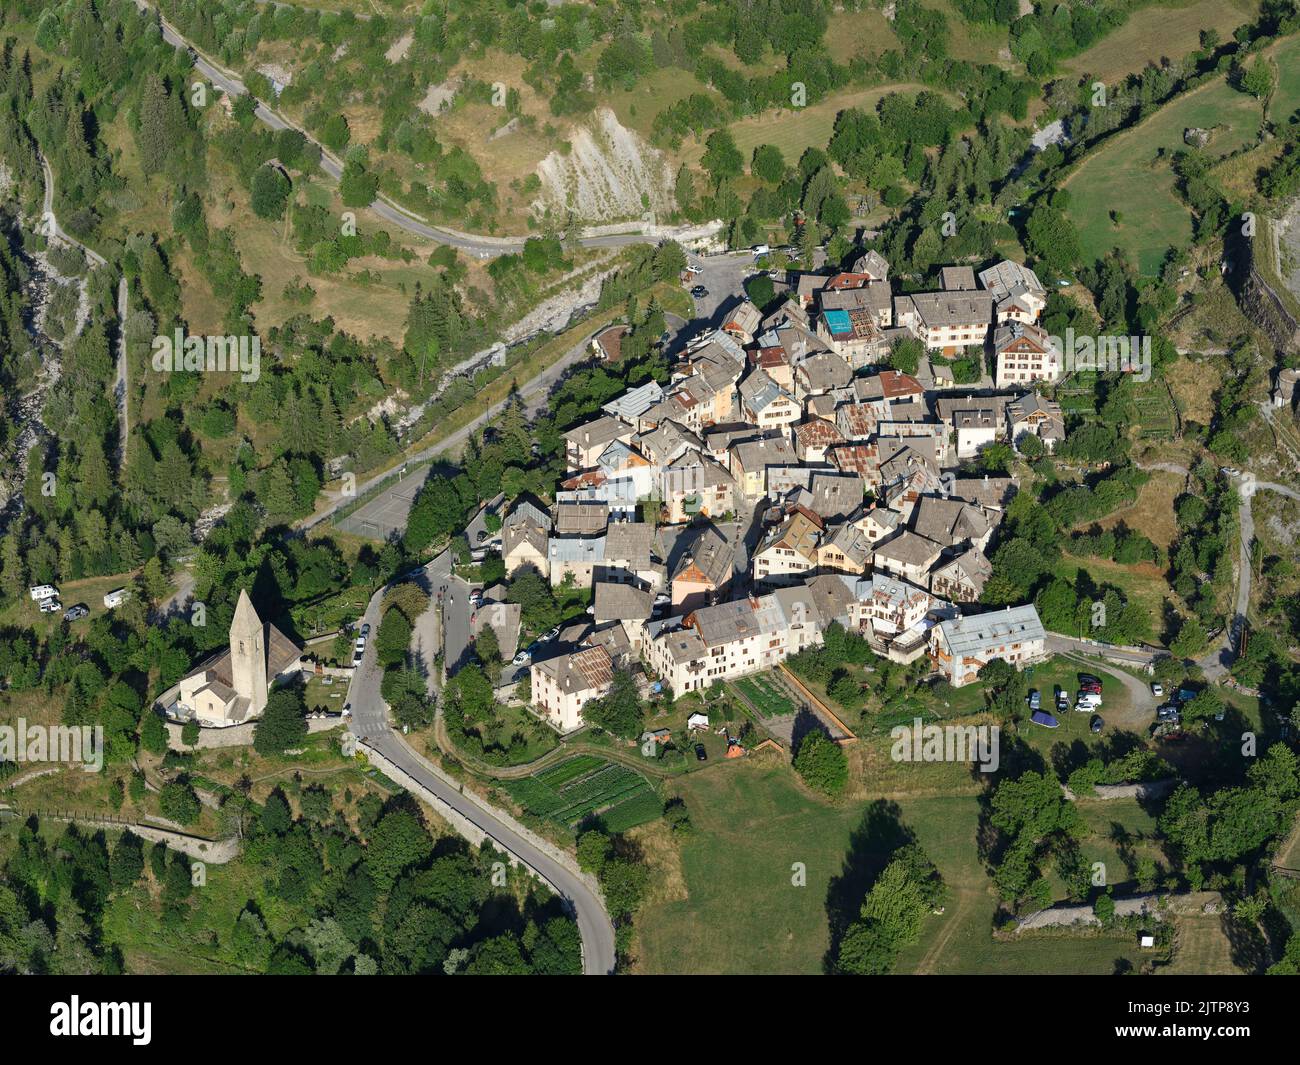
1219,659
480,245
369,722
533,393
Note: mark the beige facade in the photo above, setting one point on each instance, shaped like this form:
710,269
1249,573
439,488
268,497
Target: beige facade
562,686
961,647
232,687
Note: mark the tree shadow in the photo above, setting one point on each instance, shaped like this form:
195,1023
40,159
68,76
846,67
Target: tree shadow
1248,946
805,722
880,833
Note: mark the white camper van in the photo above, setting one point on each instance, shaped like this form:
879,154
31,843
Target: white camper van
42,591
116,598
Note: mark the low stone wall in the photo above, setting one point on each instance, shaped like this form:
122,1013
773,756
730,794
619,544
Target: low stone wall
212,851
238,735
470,830
453,817
1064,916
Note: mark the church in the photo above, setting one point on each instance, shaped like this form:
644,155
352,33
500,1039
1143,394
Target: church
231,687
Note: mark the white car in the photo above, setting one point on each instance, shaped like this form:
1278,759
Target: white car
50,605
1157,690
521,658
360,645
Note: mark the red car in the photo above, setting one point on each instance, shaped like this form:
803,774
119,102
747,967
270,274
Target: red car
1093,686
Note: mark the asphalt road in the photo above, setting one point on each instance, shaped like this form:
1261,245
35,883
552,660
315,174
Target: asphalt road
533,392
594,925
1058,644
475,244
369,722
724,277
1220,658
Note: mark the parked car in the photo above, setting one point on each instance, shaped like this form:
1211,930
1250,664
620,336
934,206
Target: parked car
521,658
1088,678
481,536
700,753
360,644
1087,701
50,605
76,613
1157,690
1096,724
549,635
476,597
699,292
1168,712
663,599
365,630
1035,699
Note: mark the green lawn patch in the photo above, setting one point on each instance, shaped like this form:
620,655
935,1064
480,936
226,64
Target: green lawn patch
578,787
1133,176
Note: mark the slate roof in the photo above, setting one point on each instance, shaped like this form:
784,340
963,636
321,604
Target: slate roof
977,635
1002,278
622,602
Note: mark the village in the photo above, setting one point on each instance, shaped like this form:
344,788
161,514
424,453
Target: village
786,478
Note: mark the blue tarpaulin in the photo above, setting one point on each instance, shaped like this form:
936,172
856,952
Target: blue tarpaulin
1042,717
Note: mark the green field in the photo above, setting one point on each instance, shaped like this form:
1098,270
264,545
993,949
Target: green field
585,785
742,914
1170,30
794,131
1126,175
1286,65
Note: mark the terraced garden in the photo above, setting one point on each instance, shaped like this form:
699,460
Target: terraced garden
584,785
765,695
